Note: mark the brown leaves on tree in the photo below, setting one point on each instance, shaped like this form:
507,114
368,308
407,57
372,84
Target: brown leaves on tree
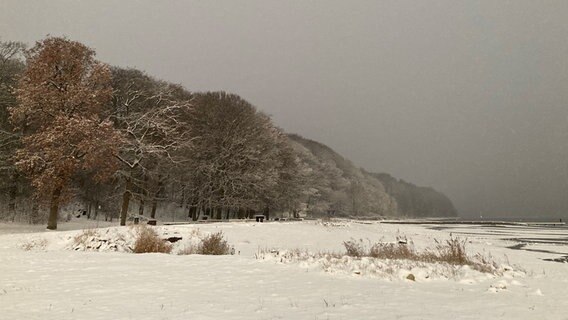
69,145
60,96
62,78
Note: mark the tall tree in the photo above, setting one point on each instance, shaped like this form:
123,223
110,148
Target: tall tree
11,66
152,116
233,161
60,96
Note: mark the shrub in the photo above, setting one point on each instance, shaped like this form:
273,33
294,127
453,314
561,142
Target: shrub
392,251
453,252
355,248
214,244
148,241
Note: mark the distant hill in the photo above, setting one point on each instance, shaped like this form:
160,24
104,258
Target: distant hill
415,201
334,186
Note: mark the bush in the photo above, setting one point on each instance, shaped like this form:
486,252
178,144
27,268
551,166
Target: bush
149,241
453,252
355,248
214,244
392,251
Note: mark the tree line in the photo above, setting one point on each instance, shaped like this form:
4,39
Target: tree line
75,129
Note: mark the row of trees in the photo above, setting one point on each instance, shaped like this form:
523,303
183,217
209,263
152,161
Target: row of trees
415,201
337,187
73,127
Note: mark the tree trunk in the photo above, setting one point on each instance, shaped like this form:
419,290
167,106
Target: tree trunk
200,212
251,213
96,210
266,213
143,195
54,209
125,203
193,212
89,208
157,194
182,200
154,206
141,207
35,211
12,199
208,213
12,195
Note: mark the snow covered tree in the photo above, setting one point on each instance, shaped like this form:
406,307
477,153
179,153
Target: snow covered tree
291,184
233,161
60,97
150,114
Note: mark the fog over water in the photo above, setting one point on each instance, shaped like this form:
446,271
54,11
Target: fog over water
470,97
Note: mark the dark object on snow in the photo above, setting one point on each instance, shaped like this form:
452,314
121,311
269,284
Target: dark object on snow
563,259
136,220
152,222
84,212
259,218
411,277
174,239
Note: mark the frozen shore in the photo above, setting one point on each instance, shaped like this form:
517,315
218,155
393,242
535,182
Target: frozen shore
49,281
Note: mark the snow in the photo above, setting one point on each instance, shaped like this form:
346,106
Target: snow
43,276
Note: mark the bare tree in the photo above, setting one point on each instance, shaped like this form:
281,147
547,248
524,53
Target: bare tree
151,115
234,161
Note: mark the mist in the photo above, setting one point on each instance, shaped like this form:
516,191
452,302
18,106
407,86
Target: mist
467,97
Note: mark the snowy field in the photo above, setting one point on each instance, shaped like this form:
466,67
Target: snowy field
43,277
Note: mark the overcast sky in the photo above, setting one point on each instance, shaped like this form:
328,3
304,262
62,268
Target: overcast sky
470,97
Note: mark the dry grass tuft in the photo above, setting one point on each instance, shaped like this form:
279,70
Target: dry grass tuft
355,248
214,244
392,251
452,251
148,241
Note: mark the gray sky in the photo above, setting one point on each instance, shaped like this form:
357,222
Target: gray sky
470,97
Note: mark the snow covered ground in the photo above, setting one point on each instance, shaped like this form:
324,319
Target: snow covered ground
53,281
